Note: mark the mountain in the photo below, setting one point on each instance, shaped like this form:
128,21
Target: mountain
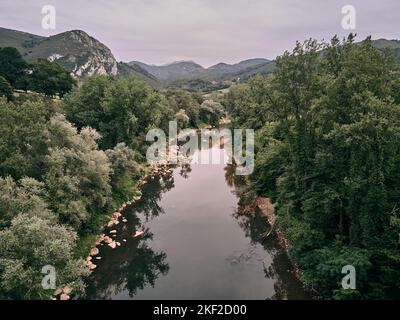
394,45
75,50
188,70
242,70
173,71
83,55
125,69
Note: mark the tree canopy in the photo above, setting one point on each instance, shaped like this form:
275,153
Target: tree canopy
327,153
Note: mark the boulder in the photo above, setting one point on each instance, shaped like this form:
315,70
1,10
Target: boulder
64,297
67,290
58,291
110,223
92,266
112,245
94,251
107,239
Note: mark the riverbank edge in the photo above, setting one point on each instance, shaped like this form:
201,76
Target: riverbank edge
114,217
265,205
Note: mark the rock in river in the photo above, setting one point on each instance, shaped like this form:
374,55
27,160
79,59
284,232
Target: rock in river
94,251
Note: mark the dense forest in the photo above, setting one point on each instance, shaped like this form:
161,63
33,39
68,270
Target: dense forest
327,124
66,165
328,154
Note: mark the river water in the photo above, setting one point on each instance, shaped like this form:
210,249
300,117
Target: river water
199,242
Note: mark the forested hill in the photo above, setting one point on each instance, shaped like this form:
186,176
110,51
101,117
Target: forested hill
75,50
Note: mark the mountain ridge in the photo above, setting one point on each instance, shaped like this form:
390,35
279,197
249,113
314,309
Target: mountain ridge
190,70
83,55
77,51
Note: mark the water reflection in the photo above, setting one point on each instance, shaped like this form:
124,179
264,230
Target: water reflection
192,248
254,224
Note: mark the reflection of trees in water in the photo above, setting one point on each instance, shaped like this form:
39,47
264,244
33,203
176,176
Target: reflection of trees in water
152,191
185,169
134,265
235,181
255,224
148,265
131,267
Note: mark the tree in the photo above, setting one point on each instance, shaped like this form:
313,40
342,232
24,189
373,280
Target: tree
23,140
50,78
26,247
78,173
83,105
28,196
210,112
188,102
5,89
12,66
327,153
123,163
122,111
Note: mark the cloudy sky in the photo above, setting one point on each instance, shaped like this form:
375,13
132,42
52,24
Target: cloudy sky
205,31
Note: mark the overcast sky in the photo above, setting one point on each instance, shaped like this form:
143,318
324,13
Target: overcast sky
205,31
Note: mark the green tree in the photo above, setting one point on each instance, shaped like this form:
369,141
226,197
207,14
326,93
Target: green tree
78,173
12,66
123,163
83,105
27,196
23,140
5,89
210,112
327,153
50,78
26,247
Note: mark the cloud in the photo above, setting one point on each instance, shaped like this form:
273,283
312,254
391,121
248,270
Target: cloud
206,31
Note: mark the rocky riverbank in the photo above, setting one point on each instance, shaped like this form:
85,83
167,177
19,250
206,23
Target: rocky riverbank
268,210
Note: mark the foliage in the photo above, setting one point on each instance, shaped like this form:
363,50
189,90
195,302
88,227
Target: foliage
78,173
327,152
23,140
50,78
30,244
5,89
210,112
12,66
122,110
123,163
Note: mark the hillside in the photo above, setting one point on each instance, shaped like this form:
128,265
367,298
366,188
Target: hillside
188,70
394,45
75,50
173,71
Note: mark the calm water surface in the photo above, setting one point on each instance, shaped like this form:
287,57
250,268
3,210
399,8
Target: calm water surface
199,243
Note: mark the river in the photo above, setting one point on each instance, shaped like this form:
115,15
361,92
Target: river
199,242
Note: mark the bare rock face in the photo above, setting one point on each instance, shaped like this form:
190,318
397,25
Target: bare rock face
75,50
85,56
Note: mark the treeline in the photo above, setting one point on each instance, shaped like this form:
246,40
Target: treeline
42,76
328,155
65,167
